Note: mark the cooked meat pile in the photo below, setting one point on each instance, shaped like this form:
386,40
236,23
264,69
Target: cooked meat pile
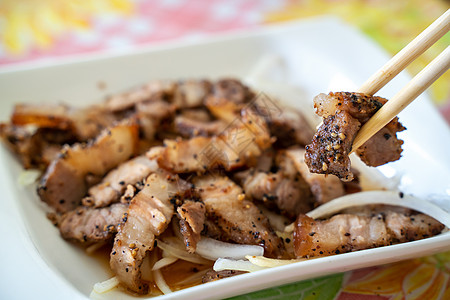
197,158
343,115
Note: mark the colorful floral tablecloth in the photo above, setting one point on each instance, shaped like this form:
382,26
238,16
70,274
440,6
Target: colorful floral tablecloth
45,29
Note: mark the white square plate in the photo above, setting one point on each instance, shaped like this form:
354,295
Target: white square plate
320,55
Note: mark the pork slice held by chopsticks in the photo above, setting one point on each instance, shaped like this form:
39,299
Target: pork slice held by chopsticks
344,113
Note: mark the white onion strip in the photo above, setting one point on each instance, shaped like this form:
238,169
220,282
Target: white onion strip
28,177
163,262
94,247
161,283
381,197
213,249
105,286
177,249
262,261
238,265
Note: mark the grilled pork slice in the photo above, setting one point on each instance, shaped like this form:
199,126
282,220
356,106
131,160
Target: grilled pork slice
115,182
148,215
290,127
154,116
385,142
328,153
238,220
183,94
344,114
191,93
192,218
190,127
290,196
88,224
35,132
324,188
228,98
84,124
35,148
200,114
64,184
152,91
358,105
233,90
239,145
347,232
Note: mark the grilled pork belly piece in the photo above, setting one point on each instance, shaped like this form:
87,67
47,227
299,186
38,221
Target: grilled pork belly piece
191,93
238,220
152,91
154,116
384,141
88,224
358,105
284,190
228,98
230,89
37,132
148,215
286,124
64,183
190,127
35,148
192,219
289,126
83,124
289,196
116,181
182,94
344,114
331,146
237,146
324,188
349,232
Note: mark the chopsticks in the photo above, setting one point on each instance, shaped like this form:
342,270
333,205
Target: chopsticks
415,87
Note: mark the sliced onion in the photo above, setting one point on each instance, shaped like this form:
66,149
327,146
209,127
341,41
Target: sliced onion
161,283
105,286
238,265
94,247
28,177
193,279
290,227
213,249
262,261
176,248
163,262
381,197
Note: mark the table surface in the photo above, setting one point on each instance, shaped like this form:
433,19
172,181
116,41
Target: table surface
42,30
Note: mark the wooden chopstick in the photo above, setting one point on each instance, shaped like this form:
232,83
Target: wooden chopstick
408,54
415,87
406,95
